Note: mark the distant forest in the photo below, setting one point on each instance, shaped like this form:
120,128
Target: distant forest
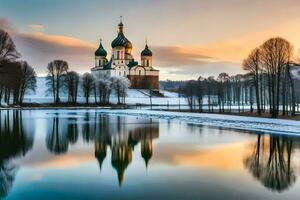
268,86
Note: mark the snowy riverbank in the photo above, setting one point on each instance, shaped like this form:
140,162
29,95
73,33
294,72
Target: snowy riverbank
278,126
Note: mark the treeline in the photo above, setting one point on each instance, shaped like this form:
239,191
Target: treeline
267,86
171,85
17,77
60,80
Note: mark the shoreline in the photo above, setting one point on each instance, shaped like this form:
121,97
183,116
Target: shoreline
127,107
242,114
252,123
62,106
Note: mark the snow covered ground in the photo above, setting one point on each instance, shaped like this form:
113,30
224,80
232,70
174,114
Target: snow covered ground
133,97
278,126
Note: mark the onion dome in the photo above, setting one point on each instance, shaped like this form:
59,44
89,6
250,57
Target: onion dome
100,51
146,51
128,46
121,40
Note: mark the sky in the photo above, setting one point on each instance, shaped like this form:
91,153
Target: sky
189,38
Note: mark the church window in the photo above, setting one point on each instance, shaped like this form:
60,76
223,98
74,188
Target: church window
139,72
119,73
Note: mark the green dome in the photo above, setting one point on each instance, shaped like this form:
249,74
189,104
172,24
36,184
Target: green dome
100,51
146,51
121,40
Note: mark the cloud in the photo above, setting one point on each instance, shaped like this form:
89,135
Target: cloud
36,27
192,62
177,56
39,49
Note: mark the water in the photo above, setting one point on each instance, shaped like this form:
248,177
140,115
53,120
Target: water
83,154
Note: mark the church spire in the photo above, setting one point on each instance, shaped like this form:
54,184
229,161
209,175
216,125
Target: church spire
121,25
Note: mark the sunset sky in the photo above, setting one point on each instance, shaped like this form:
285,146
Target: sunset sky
188,38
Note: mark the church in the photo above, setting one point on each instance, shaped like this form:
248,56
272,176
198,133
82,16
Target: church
122,63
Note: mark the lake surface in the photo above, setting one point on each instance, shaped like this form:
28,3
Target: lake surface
85,154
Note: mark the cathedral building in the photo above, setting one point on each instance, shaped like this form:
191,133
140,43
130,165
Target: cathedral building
122,63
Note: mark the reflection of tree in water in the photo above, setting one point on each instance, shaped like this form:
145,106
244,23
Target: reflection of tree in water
65,131
62,132
15,141
72,132
56,139
270,162
122,138
87,130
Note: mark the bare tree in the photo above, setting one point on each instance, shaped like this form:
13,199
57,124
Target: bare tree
8,54
72,83
211,91
222,81
275,55
120,86
28,80
103,87
57,71
8,49
292,89
88,83
10,80
189,91
16,77
252,65
200,92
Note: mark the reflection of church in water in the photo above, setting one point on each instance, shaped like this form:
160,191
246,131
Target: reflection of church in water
122,138
120,134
